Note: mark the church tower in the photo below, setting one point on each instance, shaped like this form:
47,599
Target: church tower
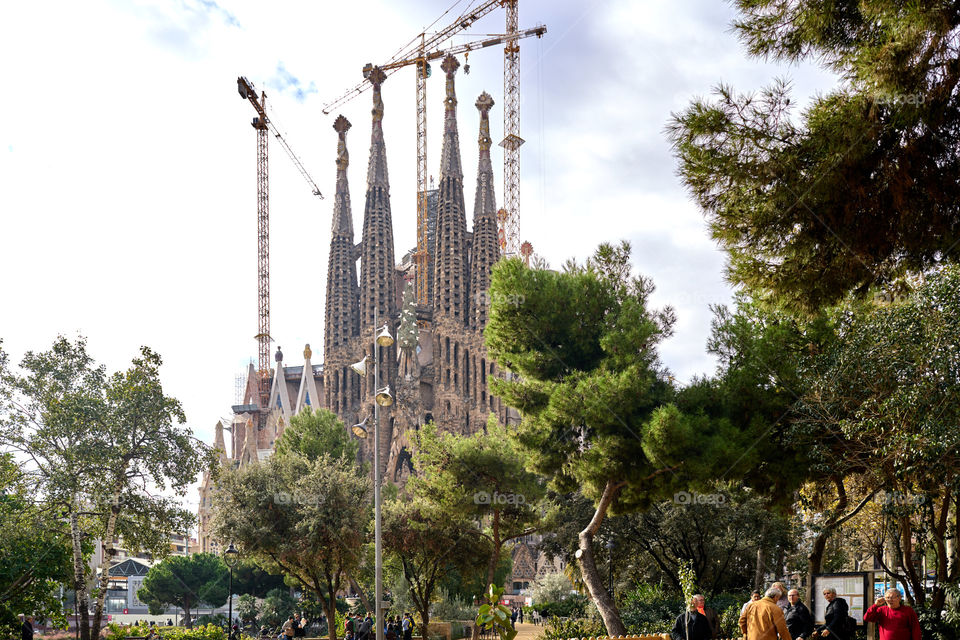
485,251
378,276
342,322
451,297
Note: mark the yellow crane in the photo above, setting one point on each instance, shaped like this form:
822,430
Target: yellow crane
262,124
420,54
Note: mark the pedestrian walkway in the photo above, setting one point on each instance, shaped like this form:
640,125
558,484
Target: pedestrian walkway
528,631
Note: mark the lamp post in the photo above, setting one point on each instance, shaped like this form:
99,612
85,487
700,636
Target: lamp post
230,557
383,398
610,545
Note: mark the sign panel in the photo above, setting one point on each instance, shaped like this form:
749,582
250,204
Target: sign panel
853,587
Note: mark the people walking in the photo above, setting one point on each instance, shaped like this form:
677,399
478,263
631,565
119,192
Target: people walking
798,617
834,617
407,627
895,620
691,624
763,619
521,615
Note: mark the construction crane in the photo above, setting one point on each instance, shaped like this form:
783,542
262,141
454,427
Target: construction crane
420,55
262,124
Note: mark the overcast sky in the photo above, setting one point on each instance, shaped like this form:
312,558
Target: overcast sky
128,164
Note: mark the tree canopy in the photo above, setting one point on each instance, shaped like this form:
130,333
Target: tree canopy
185,582
596,402
306,518
101,449
861,189
481,477
312,433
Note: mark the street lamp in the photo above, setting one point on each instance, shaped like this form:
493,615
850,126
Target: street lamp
383,398
610,545
230,557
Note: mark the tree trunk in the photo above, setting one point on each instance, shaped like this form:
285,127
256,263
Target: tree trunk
360,592
81,596
331,612
109,552
588,567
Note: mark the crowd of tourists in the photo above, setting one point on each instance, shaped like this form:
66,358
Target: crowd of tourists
779,614
356,627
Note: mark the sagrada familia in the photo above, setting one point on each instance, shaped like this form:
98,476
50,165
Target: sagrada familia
438,367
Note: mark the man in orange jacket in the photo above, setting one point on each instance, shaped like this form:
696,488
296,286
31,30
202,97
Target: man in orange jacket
763,619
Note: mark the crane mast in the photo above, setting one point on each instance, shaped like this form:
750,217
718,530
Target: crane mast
262,125
511,134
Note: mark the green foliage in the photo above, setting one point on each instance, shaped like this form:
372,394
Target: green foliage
449,607
567,628
304,517
730,621
882,400
647,609
276,607
496,616
250,578
571,606
860,188
36,553
313,433
480,477
96,443
186,582
205,632
688,581
552,587
247,609
426,540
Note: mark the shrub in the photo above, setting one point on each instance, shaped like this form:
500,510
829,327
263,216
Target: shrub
204,632
574,606
560,629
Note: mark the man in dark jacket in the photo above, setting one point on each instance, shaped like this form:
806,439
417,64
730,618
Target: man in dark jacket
691,625
799,620
712,618
26,630
365,627
834,617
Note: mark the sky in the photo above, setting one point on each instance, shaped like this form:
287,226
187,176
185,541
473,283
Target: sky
128,164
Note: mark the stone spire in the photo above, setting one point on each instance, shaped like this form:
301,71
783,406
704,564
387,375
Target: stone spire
450,293
342,320
377,274
485,250
219,445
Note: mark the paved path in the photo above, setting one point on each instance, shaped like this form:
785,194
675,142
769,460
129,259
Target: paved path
528,631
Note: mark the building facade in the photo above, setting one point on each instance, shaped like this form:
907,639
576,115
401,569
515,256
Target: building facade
438,368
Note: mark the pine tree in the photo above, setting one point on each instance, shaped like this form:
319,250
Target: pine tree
863,187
